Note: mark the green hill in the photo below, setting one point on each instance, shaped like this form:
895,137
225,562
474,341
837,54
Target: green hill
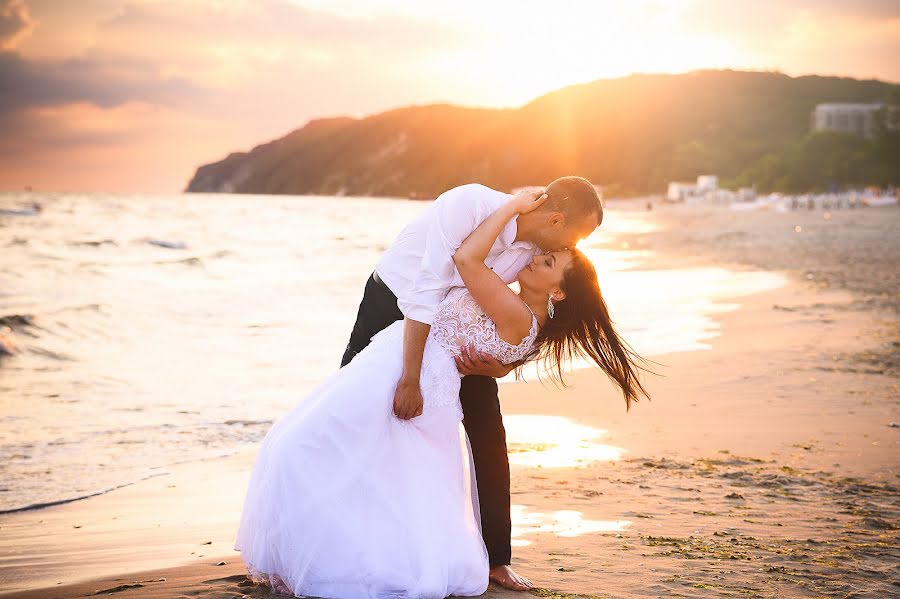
632,135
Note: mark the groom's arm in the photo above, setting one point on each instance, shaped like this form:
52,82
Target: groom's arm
408,402
454,215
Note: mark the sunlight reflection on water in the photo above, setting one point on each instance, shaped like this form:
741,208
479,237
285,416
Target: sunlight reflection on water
539,441
563,523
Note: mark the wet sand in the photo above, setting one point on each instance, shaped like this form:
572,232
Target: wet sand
764,467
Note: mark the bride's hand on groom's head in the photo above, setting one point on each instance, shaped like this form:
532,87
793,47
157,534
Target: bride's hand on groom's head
470,361
525,201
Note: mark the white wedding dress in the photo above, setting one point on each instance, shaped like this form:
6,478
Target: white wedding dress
347,500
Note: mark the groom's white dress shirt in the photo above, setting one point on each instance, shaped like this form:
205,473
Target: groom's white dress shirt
418,267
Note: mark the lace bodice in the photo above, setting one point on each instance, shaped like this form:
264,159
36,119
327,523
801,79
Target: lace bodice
460,321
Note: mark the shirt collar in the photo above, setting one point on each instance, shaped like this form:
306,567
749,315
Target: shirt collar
508,235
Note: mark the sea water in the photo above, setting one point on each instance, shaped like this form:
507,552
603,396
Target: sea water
173,328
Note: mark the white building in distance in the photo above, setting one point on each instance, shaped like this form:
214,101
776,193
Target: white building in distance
680,191
707,183
857,119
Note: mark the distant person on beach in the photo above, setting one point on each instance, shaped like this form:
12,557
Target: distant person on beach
361,490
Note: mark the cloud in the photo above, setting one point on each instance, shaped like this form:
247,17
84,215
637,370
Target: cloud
61,129
275,21
226,43
177,84
805,36
764,20
864,49
29,84
86,148
866,9
192,54
15,23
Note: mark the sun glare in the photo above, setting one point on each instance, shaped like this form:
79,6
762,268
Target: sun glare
520,52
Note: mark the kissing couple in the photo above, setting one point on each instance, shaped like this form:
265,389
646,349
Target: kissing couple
367,487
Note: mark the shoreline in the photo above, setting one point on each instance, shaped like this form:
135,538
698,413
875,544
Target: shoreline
718,419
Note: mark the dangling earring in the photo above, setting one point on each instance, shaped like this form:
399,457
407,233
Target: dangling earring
550,306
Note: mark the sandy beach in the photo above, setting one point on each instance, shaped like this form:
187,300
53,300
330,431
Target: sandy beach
766,466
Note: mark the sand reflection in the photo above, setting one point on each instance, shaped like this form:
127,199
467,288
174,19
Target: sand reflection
563,523
554,442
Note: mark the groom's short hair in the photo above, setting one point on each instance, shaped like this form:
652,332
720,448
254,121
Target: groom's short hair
574,197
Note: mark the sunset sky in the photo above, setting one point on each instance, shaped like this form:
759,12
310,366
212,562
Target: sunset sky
132,96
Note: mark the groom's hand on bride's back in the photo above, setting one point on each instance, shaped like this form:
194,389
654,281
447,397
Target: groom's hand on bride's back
470,361
408,399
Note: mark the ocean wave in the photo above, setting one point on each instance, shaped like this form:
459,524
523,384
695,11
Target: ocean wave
31,210
152,472
53,355
130,309
94,307
37,506
93,242
165,243
17,320
190,261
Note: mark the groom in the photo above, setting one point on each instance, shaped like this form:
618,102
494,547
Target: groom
411,279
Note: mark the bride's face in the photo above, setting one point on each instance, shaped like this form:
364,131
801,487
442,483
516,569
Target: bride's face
545,272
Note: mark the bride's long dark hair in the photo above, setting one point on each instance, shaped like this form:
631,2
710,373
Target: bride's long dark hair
581,326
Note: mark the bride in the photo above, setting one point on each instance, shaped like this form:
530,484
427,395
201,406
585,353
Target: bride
347,500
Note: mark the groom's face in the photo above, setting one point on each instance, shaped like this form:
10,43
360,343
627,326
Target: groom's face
558,233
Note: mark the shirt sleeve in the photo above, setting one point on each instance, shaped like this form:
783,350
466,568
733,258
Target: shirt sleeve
455,214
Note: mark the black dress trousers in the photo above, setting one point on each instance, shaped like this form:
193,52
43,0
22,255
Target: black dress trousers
482,419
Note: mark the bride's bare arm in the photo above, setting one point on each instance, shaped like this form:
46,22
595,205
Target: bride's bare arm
499,302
